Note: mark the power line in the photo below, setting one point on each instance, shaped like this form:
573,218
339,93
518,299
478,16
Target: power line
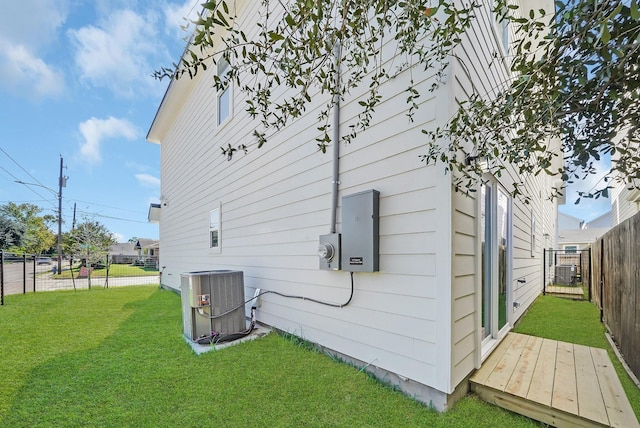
27,186
111,217
20,166
104,206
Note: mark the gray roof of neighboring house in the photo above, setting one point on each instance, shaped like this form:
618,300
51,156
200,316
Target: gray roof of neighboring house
123,249
581,236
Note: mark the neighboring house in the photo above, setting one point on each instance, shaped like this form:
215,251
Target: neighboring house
123,253
576,234
569,222
148,251
625,202
455,272
135,252
602,221
572,240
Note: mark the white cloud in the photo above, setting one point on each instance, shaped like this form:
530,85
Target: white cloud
23,73
179,16
148,180
95,131
26,28
118,52
32,23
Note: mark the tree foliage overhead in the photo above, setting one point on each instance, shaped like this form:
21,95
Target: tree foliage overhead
574,76
578,83
296,45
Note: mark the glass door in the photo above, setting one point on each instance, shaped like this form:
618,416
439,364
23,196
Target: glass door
495,242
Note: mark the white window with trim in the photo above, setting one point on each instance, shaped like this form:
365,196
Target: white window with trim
224,105
570,249
214,229
502,30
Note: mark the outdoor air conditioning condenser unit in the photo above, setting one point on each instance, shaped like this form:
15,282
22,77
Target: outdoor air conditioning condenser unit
207,297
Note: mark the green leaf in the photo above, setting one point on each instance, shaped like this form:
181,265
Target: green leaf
635,10
209,5
605,35
275,36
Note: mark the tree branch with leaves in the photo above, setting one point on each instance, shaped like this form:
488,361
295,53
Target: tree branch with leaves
574,76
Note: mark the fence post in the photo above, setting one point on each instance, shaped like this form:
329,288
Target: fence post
1,278
24,273
34,273
544,271
602,280
589,270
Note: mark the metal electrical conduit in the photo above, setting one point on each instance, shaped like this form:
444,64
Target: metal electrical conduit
216,338
337,52
288,296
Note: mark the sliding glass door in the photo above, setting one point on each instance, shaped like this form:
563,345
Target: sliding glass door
495,238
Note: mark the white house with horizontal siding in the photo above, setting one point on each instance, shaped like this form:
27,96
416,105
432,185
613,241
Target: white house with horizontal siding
453,273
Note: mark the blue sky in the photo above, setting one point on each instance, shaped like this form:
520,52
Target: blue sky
75,81
588,209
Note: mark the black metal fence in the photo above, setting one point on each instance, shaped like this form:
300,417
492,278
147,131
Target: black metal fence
567,268
22,273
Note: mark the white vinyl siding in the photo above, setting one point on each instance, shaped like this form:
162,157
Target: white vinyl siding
417,316
471,73
277,202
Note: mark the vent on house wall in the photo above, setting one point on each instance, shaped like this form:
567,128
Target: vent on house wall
212,301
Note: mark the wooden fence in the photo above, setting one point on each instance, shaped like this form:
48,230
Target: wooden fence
615,264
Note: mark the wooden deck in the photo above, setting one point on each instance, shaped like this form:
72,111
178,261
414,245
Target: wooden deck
558,383
575,293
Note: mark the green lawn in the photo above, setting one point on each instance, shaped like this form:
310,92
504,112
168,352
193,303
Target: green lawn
115,271
575,322
116,357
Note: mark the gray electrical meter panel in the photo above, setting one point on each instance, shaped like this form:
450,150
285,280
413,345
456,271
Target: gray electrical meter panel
360,224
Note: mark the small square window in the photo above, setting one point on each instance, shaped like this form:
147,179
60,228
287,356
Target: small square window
224,95
214,229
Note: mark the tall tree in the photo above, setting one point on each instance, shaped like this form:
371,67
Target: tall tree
37,235
11,233
574,77
89,241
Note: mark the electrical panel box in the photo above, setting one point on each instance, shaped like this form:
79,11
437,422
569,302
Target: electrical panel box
360,236
329,252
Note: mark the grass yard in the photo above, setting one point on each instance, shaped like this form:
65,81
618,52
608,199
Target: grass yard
115,271
575,322
116,357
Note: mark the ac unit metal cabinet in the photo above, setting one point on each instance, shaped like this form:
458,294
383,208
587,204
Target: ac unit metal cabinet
206,296
565,274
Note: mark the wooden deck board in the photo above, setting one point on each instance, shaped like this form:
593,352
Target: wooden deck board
504,369
541,388
490,363
523,374
565,395
575,293
590,400
615,400
557,383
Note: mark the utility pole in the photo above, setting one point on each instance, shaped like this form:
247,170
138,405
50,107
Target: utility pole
62,182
